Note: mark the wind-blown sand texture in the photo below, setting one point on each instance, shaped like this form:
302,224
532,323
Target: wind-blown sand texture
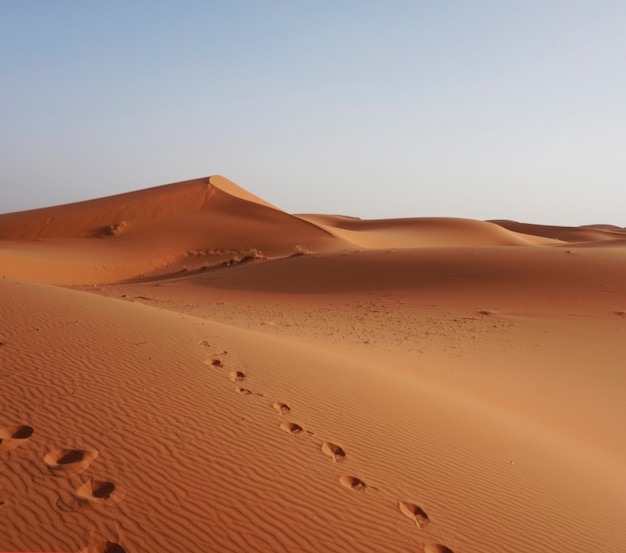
189,368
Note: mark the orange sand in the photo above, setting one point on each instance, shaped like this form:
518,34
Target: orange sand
243,379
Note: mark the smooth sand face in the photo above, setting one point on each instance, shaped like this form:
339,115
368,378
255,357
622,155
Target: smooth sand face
248,380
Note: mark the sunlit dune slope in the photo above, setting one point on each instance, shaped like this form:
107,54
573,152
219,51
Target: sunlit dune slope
134,429
591,233
193,225
100,217
429,232
168,228
502,320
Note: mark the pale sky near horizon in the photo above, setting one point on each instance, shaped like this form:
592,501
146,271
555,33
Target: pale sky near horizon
479,109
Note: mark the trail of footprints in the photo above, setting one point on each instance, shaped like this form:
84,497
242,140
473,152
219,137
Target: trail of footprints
66,462
337,454
96,493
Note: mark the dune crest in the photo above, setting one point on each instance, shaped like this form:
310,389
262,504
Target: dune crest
237,191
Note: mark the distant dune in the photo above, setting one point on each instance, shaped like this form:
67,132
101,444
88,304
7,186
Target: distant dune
170,228
216,374
594,233
422,232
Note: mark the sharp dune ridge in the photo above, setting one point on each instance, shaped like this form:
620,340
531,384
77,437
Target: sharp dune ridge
189,367
87,218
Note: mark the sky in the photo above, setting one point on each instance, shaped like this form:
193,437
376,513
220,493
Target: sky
498,109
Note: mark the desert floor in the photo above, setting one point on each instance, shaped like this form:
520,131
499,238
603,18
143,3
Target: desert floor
190,368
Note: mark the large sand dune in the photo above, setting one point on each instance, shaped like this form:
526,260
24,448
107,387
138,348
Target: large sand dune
164,229
242,379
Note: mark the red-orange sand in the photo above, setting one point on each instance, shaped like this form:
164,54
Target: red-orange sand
189,368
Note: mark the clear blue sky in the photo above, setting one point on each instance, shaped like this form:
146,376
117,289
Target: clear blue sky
480,109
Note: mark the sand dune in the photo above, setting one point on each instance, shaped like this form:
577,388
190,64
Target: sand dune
593,233
403,385
111,215
422,232
167,229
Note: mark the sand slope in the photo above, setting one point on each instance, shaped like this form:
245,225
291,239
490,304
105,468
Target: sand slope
430,232
172,228
193,461
503,320
100,217
584,234
425,385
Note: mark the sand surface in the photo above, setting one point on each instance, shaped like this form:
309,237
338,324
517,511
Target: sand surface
190,368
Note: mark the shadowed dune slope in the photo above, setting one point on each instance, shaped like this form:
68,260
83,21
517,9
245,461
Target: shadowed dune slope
515,273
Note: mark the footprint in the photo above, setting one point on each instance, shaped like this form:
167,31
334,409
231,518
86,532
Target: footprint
214,362
19,432
14,436
237,376
352,482
436,548
93,493
414,512
247,392
100,492
334,451
282,408
69,460
291,427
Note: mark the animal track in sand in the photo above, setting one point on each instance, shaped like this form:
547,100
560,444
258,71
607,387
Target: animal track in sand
99,492
352,482
282,408
236,376
14,436
436,548
291,427
69,460
414,512
93,493
334,451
